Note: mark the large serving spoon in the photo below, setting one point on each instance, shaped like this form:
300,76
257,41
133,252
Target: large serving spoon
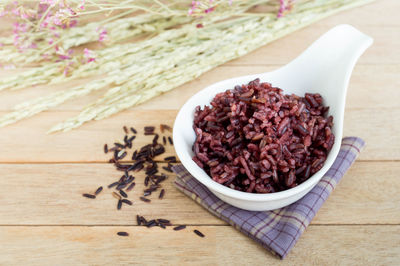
324,68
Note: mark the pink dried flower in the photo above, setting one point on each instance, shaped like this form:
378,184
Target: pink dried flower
89,55
82,5
48,2
208,10
102,34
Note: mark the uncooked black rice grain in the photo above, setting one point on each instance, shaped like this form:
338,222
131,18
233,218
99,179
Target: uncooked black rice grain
126,201
122,234
133,130
162,192
131,186
149,129
119,205
98,190
197,232
164,140
163,221
144,199
138,220
170,141
179,227
167,169
105,148
113,184
123,194
170,158
90,196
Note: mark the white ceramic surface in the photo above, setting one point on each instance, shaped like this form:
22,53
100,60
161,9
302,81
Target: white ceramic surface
325,67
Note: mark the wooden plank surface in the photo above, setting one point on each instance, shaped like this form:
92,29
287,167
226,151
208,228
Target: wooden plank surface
44,220
222,245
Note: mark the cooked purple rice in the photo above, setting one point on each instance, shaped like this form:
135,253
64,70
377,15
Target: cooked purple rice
179,227
105,148
133,130
116,195
119,205
90,196
167,169
122,234
131,186
144,199
125,129
197,232
123,194
126,201
170,141
162,192
98,190
164,140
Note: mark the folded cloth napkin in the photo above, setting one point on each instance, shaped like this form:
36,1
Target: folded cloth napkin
276,230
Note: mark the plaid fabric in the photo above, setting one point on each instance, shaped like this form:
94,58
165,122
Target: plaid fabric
276,230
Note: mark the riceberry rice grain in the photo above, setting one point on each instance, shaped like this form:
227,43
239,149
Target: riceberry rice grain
170,141
144,199
162,192
126,201
119,205
105,148
131,186
98,190
197,232
179,227
133,130
123,194
90,196
167,169
113,184
164,140
122,234
138,220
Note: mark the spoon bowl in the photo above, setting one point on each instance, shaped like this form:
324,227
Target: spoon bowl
325,68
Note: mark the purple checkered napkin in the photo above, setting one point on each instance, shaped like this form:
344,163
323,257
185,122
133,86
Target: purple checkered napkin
276,230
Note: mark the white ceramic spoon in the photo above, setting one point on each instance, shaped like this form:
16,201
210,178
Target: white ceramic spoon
325,68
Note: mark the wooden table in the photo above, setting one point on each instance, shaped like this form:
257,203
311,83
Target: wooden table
45,220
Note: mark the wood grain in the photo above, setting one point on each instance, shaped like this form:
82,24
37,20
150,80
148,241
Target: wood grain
44,220
51,194
222,245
